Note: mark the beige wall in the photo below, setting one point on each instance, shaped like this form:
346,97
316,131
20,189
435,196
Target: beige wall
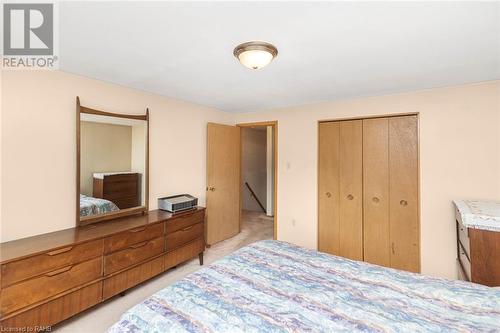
38,145
103,148
253,167
1,150
459,158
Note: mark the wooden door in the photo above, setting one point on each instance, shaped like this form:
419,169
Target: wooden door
328,188
403,192
376,240
340,210
351,189
223,182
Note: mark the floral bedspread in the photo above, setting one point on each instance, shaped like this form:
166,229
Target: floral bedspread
94,206
273,286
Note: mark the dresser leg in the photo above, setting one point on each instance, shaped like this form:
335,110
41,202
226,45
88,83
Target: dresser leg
200,256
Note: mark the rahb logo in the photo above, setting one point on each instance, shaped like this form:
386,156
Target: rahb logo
29,36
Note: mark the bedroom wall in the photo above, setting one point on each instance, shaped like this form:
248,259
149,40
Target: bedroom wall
114,155
253,167
459,158
1,145
38,145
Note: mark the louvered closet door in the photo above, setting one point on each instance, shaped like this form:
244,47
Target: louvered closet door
328,188
403,192
351,189
376,241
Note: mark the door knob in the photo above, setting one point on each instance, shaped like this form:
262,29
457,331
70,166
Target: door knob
350,197
212,189
328,195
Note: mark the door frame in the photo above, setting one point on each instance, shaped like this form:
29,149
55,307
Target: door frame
274,125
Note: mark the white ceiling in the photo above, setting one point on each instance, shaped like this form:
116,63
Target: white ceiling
327,50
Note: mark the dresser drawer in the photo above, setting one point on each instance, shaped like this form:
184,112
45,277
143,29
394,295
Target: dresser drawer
183,253
463,237
132,236
464,262
54,311
183,236
27,268
52,283
132,255
182,222
132,277
123,188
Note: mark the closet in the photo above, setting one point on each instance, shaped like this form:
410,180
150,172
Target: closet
368,190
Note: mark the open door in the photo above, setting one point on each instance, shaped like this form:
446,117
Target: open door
223,182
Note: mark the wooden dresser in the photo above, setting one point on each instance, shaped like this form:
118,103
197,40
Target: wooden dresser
48,278
123,189
478,253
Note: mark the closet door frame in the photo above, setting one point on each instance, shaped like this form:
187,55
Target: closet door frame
417,114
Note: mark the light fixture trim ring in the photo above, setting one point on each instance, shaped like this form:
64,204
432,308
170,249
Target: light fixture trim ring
255,45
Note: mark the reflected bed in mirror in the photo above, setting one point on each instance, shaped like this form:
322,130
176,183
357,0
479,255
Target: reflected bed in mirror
112,154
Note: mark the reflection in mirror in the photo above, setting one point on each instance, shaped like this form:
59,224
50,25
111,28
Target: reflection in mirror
112,164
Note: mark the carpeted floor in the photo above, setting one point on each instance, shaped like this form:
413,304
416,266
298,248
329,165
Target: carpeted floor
255,226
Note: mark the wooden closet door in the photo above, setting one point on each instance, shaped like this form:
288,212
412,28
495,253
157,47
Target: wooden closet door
403,189
376,241
328,188
351,189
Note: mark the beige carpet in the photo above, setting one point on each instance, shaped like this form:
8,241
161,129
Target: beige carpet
255,226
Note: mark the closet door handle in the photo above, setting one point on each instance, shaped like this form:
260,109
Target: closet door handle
403,203
375,200
350,197
328,194
392,248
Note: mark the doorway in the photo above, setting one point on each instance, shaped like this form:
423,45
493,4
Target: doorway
258,174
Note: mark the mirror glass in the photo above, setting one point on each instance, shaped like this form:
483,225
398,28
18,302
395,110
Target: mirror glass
113,154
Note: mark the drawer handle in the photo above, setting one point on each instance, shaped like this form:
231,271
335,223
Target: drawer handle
376,199
187,228
138,229
350,197
59,271
403,203
136,246
56,252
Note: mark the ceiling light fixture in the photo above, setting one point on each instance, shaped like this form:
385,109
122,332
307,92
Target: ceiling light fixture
255,54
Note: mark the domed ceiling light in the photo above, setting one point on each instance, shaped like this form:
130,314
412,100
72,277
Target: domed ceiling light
255,54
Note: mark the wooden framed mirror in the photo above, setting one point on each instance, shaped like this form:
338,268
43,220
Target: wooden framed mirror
112,165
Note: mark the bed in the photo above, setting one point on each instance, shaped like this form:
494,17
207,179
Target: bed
93,206
273,286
